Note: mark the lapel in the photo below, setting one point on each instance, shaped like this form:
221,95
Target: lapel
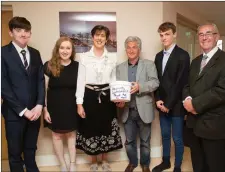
125,73
210,64
16,57
31,61
170,60
197,68
160,63
139,69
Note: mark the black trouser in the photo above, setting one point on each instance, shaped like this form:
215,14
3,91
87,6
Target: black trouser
207,155
21,138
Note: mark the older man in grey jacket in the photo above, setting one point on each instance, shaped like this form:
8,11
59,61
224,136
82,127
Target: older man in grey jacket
137,114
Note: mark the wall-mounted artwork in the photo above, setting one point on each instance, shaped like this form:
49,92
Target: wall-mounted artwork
78,25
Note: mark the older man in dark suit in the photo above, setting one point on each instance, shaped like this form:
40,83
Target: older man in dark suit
172,65
23,94
204,99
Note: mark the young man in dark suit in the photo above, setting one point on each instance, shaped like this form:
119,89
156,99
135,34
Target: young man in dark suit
172,65
204,99
23,94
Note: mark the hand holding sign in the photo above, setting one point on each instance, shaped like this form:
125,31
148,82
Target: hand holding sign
134,87
120,91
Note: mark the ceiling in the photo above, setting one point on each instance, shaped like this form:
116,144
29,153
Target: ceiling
212,11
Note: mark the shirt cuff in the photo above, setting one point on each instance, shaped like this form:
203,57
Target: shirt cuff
188,97
22,113
79,101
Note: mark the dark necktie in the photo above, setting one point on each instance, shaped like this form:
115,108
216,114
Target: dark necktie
23,52
203,63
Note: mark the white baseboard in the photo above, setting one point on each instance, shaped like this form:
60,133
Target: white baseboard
51,160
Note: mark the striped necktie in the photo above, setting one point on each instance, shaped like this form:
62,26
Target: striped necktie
23,52
203,63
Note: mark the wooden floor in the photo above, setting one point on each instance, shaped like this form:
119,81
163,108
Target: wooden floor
120,166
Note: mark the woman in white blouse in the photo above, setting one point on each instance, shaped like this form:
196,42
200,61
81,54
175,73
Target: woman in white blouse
98,131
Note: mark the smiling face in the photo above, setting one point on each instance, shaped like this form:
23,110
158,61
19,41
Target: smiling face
208,37
99,39
20,36
167,38
132,50
65,50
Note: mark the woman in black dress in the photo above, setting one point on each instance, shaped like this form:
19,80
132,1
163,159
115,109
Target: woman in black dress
98,131
60,113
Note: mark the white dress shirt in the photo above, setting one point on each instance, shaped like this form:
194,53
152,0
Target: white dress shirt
166,55
95,70
19,49
210,54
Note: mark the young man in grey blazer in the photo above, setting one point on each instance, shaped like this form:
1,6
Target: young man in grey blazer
137,114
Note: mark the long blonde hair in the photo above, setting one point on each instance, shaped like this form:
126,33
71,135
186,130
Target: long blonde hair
54,65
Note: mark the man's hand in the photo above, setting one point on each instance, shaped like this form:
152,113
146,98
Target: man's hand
29,114
164,109
120,104
189,107
134,87
160,105
37,112
194,112
80,111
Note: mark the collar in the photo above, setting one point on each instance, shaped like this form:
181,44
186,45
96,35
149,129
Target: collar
129,64
169,51
19,49
93,54
211,53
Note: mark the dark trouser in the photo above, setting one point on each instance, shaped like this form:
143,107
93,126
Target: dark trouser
132,126
22,137
176,123
207,155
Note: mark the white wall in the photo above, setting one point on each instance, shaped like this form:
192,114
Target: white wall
133,18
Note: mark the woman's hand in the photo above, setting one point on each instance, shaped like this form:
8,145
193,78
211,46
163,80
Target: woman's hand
47,116
80,111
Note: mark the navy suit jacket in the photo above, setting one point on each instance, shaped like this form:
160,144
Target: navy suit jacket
20,88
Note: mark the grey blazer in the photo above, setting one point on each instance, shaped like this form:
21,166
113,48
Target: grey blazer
147,79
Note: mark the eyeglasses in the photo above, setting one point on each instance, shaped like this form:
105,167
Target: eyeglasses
207,35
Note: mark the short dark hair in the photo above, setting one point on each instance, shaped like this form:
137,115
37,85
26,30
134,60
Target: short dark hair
167,26
19,22
100,28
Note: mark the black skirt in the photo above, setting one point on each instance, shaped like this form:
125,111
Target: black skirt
99,131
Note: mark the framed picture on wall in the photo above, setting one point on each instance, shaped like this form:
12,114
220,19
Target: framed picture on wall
78,25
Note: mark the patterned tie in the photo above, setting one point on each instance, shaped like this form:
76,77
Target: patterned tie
203,63
23,52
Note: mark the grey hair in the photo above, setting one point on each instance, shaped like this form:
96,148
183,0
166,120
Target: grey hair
133,39
210,24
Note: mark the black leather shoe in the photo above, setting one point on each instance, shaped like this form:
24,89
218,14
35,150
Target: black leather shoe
130,168
176,169
163,166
